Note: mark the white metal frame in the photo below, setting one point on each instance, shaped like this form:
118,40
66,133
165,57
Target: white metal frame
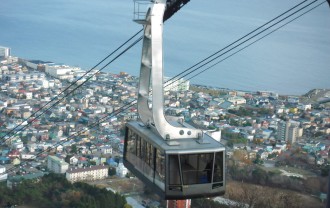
151,78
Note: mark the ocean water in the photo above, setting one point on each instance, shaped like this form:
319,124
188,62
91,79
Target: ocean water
292,60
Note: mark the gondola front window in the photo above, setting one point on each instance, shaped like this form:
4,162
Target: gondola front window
218,171
174,170
160,166
131,146
196,168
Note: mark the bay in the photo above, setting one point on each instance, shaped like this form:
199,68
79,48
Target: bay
292,60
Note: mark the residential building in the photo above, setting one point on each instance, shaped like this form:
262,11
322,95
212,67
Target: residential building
3,174
176,85
61,71
288,131
107,149
236,100
74,160
96,172
19,77
4,52
121,170
57,165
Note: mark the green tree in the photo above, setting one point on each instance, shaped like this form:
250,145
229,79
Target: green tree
259,175
128,206
112,171
74,149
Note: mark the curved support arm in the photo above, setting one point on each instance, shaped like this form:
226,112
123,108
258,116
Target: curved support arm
152,72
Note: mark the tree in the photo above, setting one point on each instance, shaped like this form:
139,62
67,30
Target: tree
259,175
74,149
128,206
325,170
112,171
91,162
67,158
258,160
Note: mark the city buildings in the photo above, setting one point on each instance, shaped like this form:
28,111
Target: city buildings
253,119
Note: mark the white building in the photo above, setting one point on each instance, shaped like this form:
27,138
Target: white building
91,173
236,100
25,156
29,95
73,160
289,131
3,104
176,85
4,52
43,83
304,107
107,149
57,165
3,174
61,71
20,77
121,170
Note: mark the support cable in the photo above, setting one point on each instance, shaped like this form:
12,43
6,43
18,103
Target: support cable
209,67
190,70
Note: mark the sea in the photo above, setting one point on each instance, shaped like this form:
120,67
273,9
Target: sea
288,58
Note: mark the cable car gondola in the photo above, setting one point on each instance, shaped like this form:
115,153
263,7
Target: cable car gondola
171,157
175,169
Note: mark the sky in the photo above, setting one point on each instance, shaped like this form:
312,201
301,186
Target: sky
292,60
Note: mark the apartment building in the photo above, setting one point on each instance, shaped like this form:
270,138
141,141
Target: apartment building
87,173
4,52
289,131
57,165
20,77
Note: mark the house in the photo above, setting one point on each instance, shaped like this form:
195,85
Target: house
227,105
3,174
4,160
82,161
107,149
263,154
14,154
239,146
111,162
73,160
121,170
16,161
252,155
25,156
236,100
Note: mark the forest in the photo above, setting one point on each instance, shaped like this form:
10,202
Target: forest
54,190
